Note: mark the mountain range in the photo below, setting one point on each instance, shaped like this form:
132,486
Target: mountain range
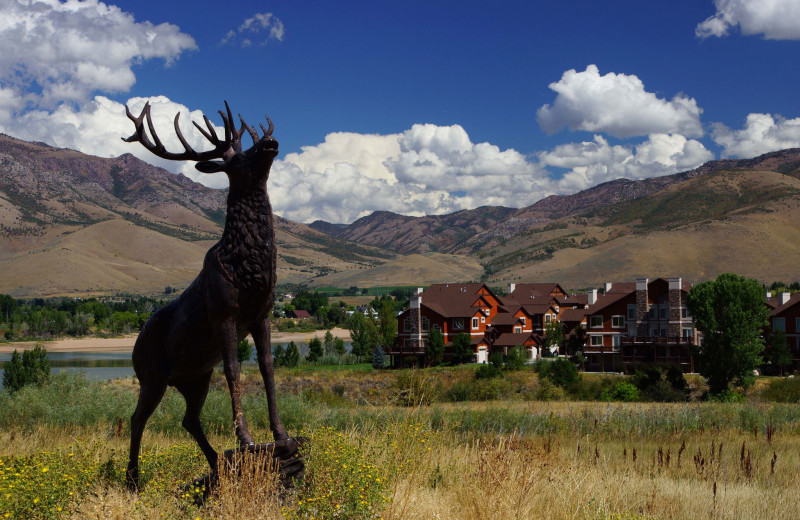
73,224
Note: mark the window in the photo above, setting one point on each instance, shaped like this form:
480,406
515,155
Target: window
616,341
483,319
426,324
797,324
631,312
662,311
595,322
437,327
652,312
407,324
596,341
617,322
517,330
779,324
458,323
547,318
632,332
524,321
686,333
685,313
474,323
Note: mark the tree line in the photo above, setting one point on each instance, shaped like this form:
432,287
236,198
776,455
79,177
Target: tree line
40,318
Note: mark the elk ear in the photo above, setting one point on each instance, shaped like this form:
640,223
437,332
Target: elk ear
210,166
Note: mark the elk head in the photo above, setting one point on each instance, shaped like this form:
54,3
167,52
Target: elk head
244,168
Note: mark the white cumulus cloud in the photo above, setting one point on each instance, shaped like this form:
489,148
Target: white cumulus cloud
593,162
70,50
774,19
762,133
618,105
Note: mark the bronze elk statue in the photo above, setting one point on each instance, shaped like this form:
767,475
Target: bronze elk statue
232,296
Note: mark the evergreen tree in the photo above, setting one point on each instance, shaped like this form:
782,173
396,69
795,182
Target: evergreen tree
462,349
378,358
13,374
330,344
279,354
244,351
32,367
314,350
35,365
292,356
434,347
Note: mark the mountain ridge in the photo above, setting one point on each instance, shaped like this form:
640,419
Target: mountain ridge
73,224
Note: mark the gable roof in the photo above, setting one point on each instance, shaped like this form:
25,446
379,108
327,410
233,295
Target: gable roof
510,339
527,292
780,309
457,300
573,315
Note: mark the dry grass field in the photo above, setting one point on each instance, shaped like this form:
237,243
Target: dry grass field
65,458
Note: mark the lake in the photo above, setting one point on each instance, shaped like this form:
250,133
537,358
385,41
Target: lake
99,365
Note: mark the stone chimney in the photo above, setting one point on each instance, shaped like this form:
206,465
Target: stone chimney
415,314
592,296
675,306
784,298
641,306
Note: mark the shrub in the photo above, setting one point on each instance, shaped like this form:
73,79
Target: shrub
488,372
560,372
415,388
547,391
515,359
622,391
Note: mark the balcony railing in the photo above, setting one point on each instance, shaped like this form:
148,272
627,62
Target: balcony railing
657,340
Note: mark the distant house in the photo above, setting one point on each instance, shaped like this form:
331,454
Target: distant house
451,309
785,317
494,324
298,314
637,323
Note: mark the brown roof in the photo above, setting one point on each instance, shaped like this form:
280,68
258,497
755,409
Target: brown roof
622,287
576,299
509,339
793,300
573,315
604,300
505,318
455,299
524,292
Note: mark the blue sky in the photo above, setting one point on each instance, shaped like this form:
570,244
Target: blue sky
415,107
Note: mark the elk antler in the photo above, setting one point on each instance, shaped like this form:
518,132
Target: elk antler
222,148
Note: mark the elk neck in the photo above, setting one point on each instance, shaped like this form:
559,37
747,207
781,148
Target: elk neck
247,246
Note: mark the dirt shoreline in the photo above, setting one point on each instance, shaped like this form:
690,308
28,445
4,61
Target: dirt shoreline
125,343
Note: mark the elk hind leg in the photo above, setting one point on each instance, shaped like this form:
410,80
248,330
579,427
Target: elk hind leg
150,395
194,393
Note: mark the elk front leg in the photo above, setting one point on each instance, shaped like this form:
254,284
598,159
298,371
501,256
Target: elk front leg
231,365
261,337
